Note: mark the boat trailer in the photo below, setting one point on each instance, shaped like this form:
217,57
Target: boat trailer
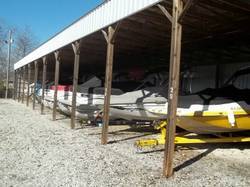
188,138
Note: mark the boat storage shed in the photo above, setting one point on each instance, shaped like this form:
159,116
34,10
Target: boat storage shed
120,34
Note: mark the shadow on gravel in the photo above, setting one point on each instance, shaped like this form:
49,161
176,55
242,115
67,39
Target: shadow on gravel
145,131
61,118
240,146
152,151
210,148
193,160
129,138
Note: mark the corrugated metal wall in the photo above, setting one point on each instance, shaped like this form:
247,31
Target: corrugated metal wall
228,69
202,77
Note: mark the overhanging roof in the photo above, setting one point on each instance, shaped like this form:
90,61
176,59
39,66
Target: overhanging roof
102,16
214,31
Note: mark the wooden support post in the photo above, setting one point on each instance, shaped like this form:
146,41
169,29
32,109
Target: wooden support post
76,48
23,77
35,83
115,32
28,86
43,83
19,84
57,71
165,12
187,6
15,85
173,91
110,39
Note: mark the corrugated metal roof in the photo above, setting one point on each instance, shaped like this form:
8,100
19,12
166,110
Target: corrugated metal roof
102,16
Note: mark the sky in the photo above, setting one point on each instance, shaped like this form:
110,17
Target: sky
44,17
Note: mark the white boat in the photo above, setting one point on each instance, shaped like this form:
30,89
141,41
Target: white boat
133,105
137,105
210,111
87,95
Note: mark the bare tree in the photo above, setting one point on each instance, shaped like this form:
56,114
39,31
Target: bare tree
25,42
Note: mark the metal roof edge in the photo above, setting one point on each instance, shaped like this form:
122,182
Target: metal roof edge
139,4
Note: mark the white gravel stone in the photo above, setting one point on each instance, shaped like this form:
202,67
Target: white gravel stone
36,151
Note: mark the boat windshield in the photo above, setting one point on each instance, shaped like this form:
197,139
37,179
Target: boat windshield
236,87
240,79
154,80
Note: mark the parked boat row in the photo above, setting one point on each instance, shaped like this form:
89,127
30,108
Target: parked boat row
225,109
88,94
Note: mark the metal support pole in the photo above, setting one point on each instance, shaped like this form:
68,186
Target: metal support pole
28,86
108,83
43,83
173,91
76,48
24,69
19,84
57,71
8,64
35,83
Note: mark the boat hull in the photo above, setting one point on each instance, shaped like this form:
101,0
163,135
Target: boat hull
134,114
213,124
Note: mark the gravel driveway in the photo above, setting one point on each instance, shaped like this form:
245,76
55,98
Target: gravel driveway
35,151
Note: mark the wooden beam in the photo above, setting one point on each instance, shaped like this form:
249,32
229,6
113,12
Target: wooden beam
105,35
173,91
57,71
23,77
28,86
187,6
165,12
35,83
112,38
108,84
43,83
76,48
117,27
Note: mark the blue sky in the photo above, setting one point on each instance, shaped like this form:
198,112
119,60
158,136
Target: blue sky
44,17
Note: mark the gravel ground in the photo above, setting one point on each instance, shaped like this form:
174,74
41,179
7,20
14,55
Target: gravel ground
35,151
